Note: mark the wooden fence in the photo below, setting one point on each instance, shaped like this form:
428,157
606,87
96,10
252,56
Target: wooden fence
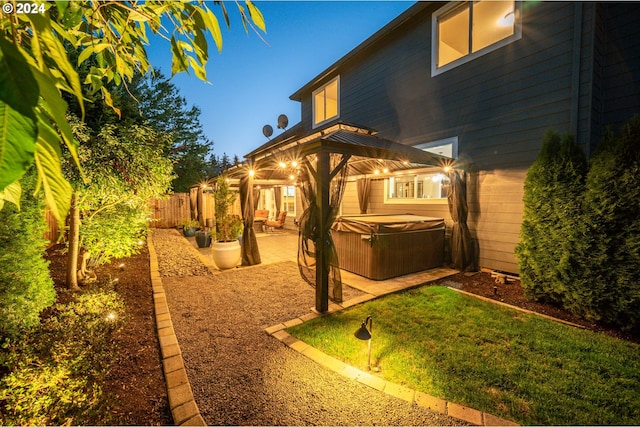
165,213
53,231
198,205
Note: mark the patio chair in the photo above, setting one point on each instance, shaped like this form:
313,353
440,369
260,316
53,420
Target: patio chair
278,223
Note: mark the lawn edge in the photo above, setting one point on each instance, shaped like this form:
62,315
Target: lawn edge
432,403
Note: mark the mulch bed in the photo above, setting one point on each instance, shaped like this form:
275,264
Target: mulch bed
136,383
512,293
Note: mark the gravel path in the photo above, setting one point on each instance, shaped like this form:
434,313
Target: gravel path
242,376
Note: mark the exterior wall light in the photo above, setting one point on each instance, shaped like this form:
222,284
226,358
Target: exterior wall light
365,334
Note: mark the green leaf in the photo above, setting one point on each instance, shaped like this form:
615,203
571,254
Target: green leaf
256,16
18,88
11,194
58,54
57,107
72,15
17,144
178,62
198,69
57,190
108,100
214,27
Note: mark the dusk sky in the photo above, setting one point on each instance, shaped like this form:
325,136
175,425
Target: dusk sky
251,81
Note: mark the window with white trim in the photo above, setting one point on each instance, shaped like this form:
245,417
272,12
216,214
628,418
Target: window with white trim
412,188
289,199
326,102
427,186
463,31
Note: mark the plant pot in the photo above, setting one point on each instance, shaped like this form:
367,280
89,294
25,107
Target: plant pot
226,254
203,239
189,231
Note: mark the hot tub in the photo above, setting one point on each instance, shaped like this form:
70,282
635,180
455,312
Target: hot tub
383,246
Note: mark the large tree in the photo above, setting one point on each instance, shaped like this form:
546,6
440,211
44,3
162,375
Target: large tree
34,69
158,103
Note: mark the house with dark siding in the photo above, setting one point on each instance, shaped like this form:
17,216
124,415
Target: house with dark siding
479,82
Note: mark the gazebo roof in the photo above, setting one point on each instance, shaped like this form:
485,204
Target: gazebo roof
273,161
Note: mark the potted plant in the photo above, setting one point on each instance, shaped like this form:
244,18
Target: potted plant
225,250
203,238
189,227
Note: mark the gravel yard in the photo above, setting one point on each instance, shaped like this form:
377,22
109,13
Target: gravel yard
242,376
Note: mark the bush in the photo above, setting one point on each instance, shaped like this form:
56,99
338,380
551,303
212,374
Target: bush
54,371
114,232
25,286
609,290
552,192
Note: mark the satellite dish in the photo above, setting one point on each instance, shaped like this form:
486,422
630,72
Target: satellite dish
267,131
283,121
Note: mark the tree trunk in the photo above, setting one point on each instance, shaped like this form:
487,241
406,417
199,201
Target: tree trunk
74,244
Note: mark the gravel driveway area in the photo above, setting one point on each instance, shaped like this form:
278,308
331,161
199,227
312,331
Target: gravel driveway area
242,376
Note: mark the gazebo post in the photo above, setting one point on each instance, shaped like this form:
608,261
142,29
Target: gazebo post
322,250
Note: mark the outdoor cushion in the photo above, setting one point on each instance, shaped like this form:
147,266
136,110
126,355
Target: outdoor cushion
261,215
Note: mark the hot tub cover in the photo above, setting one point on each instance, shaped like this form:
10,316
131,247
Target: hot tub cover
386,223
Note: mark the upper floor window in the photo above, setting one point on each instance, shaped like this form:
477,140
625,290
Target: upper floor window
467,30
326,102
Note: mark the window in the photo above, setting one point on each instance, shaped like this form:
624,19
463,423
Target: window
445,147
289,199
326,102
465,31
425,187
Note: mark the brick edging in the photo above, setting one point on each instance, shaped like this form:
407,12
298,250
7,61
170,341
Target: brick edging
435,404
184,409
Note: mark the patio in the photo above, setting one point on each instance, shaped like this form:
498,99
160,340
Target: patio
281,245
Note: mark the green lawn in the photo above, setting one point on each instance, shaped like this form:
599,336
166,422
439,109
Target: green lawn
495,359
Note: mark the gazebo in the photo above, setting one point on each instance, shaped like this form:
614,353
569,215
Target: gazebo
320,162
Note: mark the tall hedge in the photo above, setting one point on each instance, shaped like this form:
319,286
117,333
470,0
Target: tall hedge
580,235
610,287
25,285
552,191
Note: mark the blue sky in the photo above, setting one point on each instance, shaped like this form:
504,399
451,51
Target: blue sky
250,81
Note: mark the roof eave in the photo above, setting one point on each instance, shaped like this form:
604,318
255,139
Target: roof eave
378,35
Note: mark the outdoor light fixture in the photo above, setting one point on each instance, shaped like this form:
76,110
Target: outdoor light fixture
252,172
365,334
121,267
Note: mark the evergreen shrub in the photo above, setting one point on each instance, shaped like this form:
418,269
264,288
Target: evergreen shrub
25,285
610,288
552,192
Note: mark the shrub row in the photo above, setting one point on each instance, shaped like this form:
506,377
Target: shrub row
25,285
580,236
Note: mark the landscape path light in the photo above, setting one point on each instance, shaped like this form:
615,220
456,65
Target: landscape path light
365,334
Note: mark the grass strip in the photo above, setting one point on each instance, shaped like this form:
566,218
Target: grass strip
511,364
